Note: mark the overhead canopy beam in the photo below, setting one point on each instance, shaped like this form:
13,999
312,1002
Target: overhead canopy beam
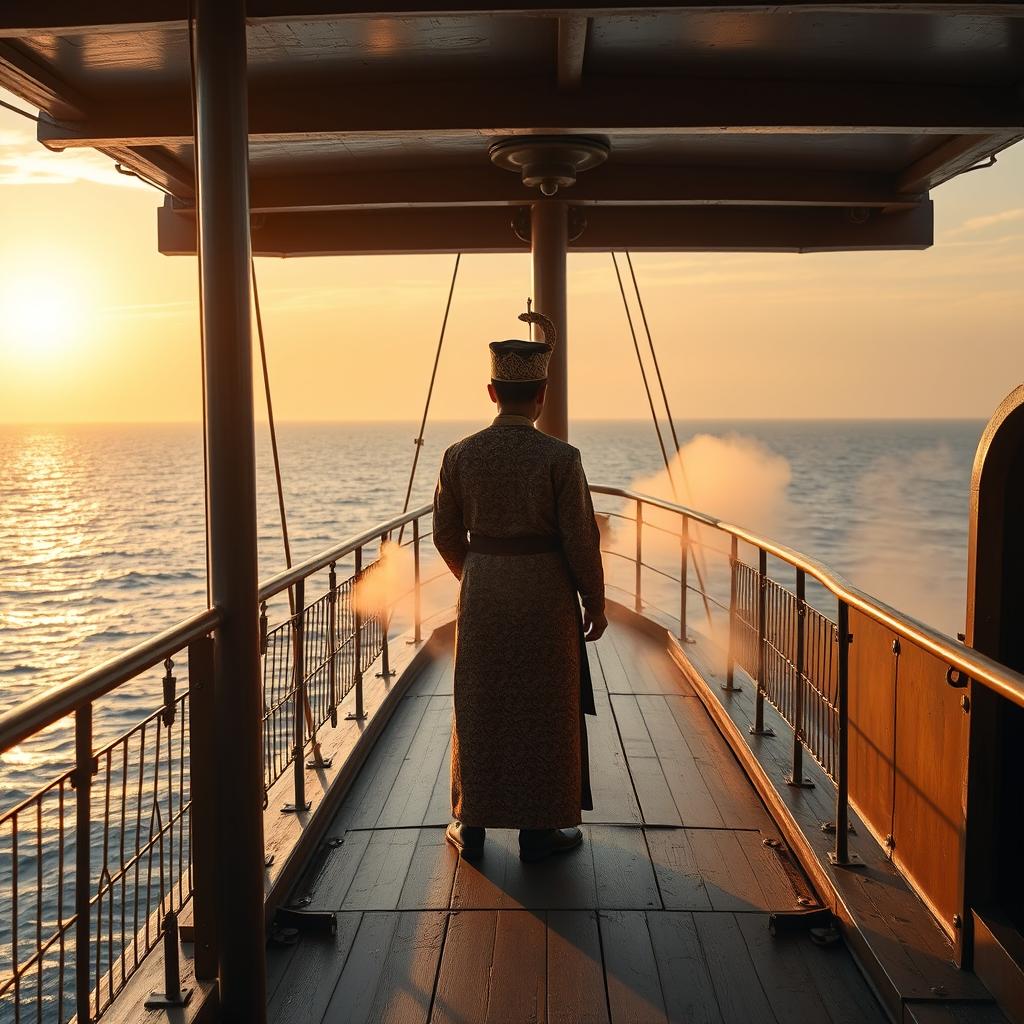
639,105
73,17
572,48
643,228
951,158
612,184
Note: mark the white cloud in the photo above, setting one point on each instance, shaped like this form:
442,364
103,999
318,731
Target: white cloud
989,220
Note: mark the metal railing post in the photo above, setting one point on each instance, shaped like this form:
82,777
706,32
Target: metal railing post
83,866
758,729
385,624
173,994
332,642
417,597
841,857
796,776
638,589
299,701
357,640
202,759
730,666
684,564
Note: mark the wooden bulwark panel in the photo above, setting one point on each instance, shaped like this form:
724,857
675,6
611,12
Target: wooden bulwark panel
908,751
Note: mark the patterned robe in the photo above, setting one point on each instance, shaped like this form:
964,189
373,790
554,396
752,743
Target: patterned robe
519,756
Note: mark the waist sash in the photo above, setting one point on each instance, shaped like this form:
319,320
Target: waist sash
537,544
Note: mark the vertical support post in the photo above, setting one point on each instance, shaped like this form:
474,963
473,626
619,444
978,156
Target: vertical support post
758,729
332,642
223,212
203,811
730,666
638,601
299,700
549,240
385,624
83,866
417,597
357,641
842,857
684,563
796,776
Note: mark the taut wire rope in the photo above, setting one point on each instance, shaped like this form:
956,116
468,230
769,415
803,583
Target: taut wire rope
418,440
657,425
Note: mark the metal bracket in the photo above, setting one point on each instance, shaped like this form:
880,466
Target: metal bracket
852,860
766,731
829,828
296,808
784,922
353,717
731,689
321,762
161,1001
310,922
799,783
386,675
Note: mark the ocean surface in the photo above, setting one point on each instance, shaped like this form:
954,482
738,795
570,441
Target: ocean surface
102,544
102,529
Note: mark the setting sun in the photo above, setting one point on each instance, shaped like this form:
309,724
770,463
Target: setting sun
42,313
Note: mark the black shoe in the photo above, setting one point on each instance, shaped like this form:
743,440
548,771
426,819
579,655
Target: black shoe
467,839
537,843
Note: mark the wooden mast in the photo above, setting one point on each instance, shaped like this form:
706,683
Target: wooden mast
224,247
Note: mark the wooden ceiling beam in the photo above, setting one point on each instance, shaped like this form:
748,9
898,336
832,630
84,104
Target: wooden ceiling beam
613,105
951,158
648,228
633,184
79,17
571,50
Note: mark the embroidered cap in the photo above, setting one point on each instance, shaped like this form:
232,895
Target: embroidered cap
515,360
519,360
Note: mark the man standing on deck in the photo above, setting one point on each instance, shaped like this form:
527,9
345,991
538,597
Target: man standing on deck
514,522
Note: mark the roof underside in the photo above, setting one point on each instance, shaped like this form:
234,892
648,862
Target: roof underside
783,126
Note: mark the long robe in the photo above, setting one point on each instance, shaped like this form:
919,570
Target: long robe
519,757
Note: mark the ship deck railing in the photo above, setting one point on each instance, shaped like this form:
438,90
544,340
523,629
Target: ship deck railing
107,859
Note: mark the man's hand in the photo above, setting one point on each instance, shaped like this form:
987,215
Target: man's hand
594,625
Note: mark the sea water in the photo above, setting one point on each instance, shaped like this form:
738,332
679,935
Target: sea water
102,542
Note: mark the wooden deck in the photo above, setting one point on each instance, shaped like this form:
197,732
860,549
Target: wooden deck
662,915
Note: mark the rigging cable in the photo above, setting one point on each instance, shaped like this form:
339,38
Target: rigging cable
418,440
199,273
654,417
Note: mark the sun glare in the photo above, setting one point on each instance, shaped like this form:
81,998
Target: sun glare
40,314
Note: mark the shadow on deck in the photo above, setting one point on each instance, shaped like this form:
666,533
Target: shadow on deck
662,915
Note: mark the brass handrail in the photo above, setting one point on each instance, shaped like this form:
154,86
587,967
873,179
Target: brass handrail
995,676
53,704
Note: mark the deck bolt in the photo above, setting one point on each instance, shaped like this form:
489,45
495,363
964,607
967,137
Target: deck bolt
939,990
957,921
965,703
896,649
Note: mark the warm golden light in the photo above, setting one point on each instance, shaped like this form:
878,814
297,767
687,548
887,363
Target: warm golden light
39,313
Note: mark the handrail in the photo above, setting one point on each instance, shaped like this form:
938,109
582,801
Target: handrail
289,577
997,677
55,703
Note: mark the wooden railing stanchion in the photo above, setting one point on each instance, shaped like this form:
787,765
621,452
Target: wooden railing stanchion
83,866
758,729
730,668
299,697
841,856
417,596
203,811
796,775
638,602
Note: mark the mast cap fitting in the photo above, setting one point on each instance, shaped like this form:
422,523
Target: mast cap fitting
549,162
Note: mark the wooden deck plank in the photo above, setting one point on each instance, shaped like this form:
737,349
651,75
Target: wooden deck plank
679,878
783,972
428,883
380,877
596,669
306,989
610,781
622,866
575,971
439,807
500,880
652,789
685,978
631,969
390,971
737,986
436,680
493,969
730,879
615,675
414,783
327,880
362,805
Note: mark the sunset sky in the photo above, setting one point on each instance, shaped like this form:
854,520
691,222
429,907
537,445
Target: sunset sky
95,325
